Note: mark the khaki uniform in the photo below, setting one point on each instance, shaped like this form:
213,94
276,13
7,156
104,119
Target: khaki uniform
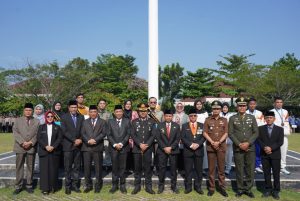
216,128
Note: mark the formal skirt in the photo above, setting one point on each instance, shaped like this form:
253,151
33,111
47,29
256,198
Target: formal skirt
49,166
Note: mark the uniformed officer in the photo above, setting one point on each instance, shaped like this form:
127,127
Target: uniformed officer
215,132
243,132
143,134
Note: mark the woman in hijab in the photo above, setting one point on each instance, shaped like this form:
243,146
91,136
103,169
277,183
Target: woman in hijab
49,139
56,108
39,113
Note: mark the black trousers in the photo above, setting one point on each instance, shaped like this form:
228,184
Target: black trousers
142,163
163,160
118,167
88,158
72,161
49,165
269,164
190,163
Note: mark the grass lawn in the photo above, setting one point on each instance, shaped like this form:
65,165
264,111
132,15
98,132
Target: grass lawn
6,194
6,142
294,142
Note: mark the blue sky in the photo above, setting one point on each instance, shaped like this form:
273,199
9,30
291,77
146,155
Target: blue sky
192,32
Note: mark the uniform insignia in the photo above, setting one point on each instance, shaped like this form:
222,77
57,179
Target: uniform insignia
162,130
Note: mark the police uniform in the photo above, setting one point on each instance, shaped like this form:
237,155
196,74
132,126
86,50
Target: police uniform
216,128
243,128
142,133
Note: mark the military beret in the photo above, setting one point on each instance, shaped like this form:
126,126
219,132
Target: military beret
118,107
241,101
28,105
216,104
269,114
72,102
142,107
192,111
168,111
93,107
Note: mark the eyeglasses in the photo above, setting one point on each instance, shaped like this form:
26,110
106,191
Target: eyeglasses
192,115
216,108
50,116
153,102
242,105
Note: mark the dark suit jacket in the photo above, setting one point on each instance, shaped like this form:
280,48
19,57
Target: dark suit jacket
187,138
117,135
97,133
142,132
274,142
56,139
70,132
162,139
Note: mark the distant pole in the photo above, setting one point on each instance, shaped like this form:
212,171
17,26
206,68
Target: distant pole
153,49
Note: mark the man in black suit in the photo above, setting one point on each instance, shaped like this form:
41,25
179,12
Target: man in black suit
71,124
118,134
93,132
270,140
168,137
143,133
192,138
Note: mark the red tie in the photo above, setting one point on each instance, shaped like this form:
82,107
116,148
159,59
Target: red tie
168,130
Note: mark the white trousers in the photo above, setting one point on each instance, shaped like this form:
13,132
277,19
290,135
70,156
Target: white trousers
228,157
205,162
284,149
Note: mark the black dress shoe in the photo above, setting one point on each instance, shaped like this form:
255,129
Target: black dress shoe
239,194
29,190
113,189
187,191
68,191
160,190
150,191
17,191
275,195
76,189
45,193
123,189
266,194
224,193
175,190
210,193
199,190
97,189
249,194
87,189
136,190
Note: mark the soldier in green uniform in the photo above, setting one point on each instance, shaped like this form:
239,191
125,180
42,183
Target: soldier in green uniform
243,132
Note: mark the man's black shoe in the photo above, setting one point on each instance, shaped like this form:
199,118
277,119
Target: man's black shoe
87,189
17,191
199,190
266,194
175,190
187,191
160,190
210,193
68,191
123,189
239,194
275,195
113,189
136,190
76,189
224,193
29,190
150,191
249,194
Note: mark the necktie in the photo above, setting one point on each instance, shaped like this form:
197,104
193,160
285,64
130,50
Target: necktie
269,131
93,122
168,130
28,122
193,129
119,123
74,120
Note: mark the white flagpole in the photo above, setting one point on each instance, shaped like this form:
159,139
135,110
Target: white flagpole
153,49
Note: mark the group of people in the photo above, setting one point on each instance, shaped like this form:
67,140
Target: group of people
193,141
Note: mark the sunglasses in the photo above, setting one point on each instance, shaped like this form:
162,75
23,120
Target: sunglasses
50,116
216,108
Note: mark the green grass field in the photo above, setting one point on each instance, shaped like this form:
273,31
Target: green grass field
6,194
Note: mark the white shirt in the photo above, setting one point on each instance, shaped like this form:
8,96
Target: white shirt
258,116
201,117
282,116
49,133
